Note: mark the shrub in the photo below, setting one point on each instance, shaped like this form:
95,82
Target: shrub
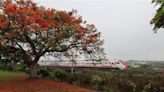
82,78
96,81
114,80
132,86
22,67
147,88
107,89
61,75
43,72
7,66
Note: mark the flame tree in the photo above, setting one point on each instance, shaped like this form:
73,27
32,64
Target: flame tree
36,30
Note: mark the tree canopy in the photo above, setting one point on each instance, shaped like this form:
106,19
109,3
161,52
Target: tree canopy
36,30
158,19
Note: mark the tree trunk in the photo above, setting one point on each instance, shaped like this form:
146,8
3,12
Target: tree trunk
14,67
33,71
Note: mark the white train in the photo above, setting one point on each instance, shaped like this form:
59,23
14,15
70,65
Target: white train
112,64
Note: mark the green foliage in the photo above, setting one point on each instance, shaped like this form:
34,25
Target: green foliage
107,89
83,78
132,86
5,64
158,1
61,75
96,81
144,66
142,80
22,67
9,67
158,19
147,88
43,72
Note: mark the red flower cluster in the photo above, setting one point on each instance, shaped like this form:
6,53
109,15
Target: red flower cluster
10,9
3,24
30,17
2,42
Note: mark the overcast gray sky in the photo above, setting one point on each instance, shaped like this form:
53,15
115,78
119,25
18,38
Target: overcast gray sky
124,25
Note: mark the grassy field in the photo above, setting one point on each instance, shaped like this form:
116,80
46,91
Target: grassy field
8,74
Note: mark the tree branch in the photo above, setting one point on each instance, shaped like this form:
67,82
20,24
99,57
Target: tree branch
20,47
31,43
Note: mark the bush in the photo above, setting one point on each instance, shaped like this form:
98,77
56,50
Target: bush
22,67
132,86
43,72
147,88
107,89
61,75
82,78
114,80
96,81
7,65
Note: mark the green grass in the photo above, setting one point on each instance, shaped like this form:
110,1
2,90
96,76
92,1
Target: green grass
8,74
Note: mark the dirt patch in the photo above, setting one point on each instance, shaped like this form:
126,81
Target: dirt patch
21,84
